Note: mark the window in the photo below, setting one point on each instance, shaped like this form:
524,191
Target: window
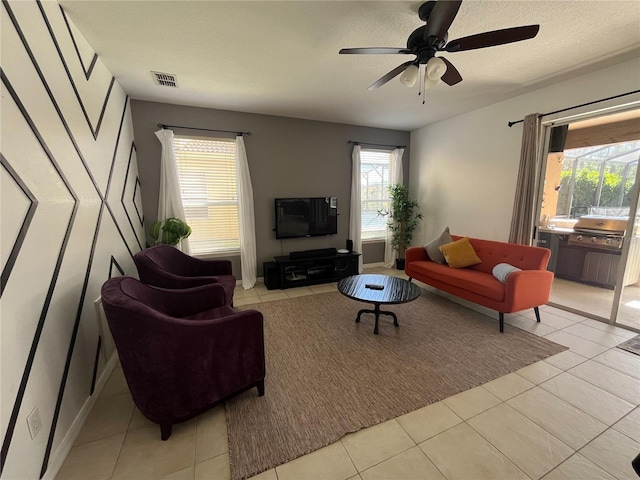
375,171
207,171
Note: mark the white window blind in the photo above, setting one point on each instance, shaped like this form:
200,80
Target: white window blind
375,171
207,171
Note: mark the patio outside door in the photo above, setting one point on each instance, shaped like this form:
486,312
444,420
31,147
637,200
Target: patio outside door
595,172
627,300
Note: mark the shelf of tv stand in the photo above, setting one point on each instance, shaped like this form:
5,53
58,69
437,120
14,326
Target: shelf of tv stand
316,270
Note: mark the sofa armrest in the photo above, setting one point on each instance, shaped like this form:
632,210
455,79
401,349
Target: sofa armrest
527,289
415,254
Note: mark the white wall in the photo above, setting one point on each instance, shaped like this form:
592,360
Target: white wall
69,198
464,169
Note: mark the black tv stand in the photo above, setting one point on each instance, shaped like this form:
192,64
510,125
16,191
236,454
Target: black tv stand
321,268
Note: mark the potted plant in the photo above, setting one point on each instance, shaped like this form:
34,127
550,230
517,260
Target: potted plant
170,231
403,219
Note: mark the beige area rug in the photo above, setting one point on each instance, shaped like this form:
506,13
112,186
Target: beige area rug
328,376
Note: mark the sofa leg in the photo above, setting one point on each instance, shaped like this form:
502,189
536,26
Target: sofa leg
260,386
410,279
537,312
165,430
501,322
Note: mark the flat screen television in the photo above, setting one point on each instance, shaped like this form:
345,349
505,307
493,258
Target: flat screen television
306,217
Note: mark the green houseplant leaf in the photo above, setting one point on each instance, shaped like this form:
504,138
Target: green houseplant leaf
169,231
403,218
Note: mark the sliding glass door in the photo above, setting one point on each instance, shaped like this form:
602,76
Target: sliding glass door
627,300
588,216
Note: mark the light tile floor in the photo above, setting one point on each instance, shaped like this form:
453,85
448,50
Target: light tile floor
575,415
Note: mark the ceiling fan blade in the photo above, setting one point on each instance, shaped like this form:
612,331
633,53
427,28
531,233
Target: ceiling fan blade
393,73
374,50
441,18
452,75
490,39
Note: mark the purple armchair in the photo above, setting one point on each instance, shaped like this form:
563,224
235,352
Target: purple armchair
182,351
167,267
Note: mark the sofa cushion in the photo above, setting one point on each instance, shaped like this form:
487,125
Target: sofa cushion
460,254
477,282
433,247
492,252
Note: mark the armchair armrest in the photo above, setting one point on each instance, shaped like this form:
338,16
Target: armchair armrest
217,267
527,289
210,267
190,282
188,301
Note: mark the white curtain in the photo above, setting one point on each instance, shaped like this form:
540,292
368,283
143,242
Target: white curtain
246,217
170,200
390,254
522,220
356,206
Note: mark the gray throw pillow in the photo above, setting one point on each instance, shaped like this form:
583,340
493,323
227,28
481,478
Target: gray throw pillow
433,247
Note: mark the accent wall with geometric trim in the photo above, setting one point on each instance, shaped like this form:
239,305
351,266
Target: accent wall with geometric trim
71,219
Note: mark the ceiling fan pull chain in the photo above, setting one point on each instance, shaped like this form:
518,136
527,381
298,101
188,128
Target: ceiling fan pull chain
423,87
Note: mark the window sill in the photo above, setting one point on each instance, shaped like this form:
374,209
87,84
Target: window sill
218,254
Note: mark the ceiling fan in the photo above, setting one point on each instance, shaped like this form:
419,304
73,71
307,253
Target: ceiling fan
432,37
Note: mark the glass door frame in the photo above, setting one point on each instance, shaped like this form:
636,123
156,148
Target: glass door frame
546,126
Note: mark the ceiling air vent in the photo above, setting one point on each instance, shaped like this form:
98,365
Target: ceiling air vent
165,79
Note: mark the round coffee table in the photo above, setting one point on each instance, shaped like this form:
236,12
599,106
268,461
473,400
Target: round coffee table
379,290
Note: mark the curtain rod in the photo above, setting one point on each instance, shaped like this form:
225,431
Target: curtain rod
161,125
511,124
376,144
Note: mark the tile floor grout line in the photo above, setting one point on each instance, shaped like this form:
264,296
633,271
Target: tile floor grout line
560,399
600,435
113,470
603,389
491,443
553,434
381,461
576,406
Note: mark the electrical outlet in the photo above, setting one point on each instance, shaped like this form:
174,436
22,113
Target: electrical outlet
34,422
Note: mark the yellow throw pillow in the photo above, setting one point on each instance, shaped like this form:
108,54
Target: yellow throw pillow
460,254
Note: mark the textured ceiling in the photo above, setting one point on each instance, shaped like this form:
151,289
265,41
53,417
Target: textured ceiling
281,57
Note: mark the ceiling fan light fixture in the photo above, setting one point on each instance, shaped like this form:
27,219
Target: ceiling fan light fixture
430,82
436,68
409,76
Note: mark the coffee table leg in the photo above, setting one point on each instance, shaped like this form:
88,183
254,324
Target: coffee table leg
377,312
391,314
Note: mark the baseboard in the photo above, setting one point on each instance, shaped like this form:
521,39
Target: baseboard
373,265
58,457
258,280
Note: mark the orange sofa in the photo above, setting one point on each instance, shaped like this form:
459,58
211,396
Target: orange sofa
528,288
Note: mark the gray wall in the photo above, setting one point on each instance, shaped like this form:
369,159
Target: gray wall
288,157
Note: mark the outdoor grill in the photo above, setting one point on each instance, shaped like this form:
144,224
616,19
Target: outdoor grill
599,232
